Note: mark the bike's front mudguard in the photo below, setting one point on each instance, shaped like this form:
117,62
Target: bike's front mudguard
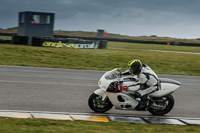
101,92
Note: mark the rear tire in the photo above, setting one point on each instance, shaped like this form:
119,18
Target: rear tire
96,104
167,103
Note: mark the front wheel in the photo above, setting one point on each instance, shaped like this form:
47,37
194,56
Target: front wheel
163,105
96,104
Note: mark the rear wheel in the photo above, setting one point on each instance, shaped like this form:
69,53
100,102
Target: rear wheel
163,105
96,104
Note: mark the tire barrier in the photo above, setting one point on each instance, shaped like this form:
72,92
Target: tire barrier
20,40
5,41
119,40
102,44
134,41
8,34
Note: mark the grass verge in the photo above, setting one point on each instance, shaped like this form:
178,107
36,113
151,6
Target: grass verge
42,126
116,55
5,37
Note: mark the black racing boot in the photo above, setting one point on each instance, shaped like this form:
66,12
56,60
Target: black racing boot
144,101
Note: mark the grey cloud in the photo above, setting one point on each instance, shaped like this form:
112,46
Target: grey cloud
121,16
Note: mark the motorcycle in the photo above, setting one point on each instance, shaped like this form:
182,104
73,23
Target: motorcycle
110,94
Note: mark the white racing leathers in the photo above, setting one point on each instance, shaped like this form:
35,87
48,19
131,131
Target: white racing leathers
147,81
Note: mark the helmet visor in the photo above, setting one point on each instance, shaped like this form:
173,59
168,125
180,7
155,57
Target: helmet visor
131,70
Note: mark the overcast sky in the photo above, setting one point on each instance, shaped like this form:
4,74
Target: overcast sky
170,18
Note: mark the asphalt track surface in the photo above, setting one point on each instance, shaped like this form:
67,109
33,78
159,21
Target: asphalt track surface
68,90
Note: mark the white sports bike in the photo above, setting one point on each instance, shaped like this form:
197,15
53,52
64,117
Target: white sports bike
108,95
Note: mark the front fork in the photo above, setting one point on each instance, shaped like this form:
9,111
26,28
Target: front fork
102,93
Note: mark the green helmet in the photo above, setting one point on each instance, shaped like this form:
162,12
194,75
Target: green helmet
135,66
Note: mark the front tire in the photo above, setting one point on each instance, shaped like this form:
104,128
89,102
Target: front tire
165,105
96,104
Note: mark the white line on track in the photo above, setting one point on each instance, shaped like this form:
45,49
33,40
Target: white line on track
174,52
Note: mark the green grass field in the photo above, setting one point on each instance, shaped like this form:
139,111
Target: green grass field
116,55
8,125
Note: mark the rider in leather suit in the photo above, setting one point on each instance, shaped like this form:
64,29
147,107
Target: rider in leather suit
148,81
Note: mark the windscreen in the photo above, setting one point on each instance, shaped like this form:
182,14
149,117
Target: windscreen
111,76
